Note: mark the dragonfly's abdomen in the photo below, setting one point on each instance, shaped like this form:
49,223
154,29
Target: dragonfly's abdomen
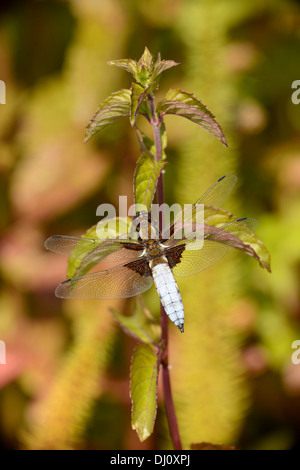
169,294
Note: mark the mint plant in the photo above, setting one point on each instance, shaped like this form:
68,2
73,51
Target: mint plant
151,355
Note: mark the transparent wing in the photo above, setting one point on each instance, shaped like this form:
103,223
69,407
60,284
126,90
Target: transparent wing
114,283
92,249
217,243
219,192
195,261
63,245
243,224
214,196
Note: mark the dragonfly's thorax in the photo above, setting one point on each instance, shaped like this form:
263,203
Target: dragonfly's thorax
154,249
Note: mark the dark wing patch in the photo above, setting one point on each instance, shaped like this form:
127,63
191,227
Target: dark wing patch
140,266
173,254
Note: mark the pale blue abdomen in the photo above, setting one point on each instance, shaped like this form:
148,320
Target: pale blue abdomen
169,294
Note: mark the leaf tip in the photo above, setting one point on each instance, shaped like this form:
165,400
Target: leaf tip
224,141
267,266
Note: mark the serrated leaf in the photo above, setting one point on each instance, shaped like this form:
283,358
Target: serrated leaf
143,390
163,65
142,70
129,65
117,105
140,324
182,103
146,175
146,60
145,73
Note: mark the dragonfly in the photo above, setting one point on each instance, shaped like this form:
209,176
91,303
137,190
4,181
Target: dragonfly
138,262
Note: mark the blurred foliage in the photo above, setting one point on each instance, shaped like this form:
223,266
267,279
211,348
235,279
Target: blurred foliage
65,383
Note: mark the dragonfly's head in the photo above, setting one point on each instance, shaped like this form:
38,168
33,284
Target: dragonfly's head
143,228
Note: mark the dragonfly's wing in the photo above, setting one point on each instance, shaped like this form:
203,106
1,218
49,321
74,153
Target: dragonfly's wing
195,261
114,283
214,197
64,245
243,224
217,243
93,250
218,193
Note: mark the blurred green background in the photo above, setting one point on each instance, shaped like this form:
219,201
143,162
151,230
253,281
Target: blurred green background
65,381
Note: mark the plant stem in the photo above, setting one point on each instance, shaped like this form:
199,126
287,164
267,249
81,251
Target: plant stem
169,403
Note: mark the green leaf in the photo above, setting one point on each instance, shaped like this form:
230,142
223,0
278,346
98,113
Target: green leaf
251,244
145,73
146,60
147,144
146,175
182,103
141,70
145,69
139,104
143,390
141,324
129,65
161,66
117,105
137,95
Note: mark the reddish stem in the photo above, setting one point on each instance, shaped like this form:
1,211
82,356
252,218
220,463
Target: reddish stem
168,398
